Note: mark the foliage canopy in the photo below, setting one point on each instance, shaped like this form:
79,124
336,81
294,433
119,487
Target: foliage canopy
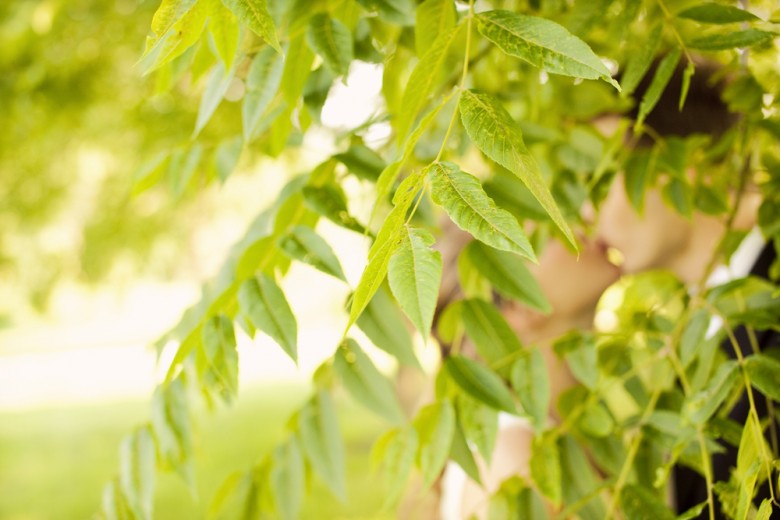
493,112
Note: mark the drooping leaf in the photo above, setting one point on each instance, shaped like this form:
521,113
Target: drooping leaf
223,26
764,374
701,405
264,303
479,423
332,41
581,480
508,275
435,425
639,61
542,43
226,157
303,244
686,84
137,468
262,82
286,479
395,451
711,12
217,85
384,325
254,14
388,240
361,161
322,443
221,358
732,40
461,454
495,340
171,426
297,66
464,200
113,502
330,201
546,467
531,382
422,81
661,78
493,131
481,383
414,274
434,17
365,383
765,510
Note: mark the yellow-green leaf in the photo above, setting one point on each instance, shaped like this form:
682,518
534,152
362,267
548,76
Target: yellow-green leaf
493,131
435,425
414,274
433,17
254,14
542,43
332,41
264,303
322,443
462,197
481,383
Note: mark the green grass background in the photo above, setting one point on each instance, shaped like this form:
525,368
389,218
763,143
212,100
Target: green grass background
54,462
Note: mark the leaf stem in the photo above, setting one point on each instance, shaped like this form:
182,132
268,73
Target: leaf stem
462,85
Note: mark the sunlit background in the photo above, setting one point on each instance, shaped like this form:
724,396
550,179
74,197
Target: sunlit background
91,275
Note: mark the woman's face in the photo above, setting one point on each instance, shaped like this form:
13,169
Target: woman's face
650,241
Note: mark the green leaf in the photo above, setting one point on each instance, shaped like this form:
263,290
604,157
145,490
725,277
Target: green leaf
661,78
297,66
732,40
495,340
481,383
262,82
460,453
414,274
217,85
531,382
332,41
701,405
137,468
170,12
318,430
388,240
365,383
479,423
306,246
581,479
399,12
114,504
395,451
464,200
223,26
177,38
287,479
422,81
686,85
546,467
764,374
254,14
171,425
221,357
493,131
433,17
363,162
640,503
765,510
542,43
435,425
226,157
329,201
640,60
384,325
264,303
508,275
711,12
